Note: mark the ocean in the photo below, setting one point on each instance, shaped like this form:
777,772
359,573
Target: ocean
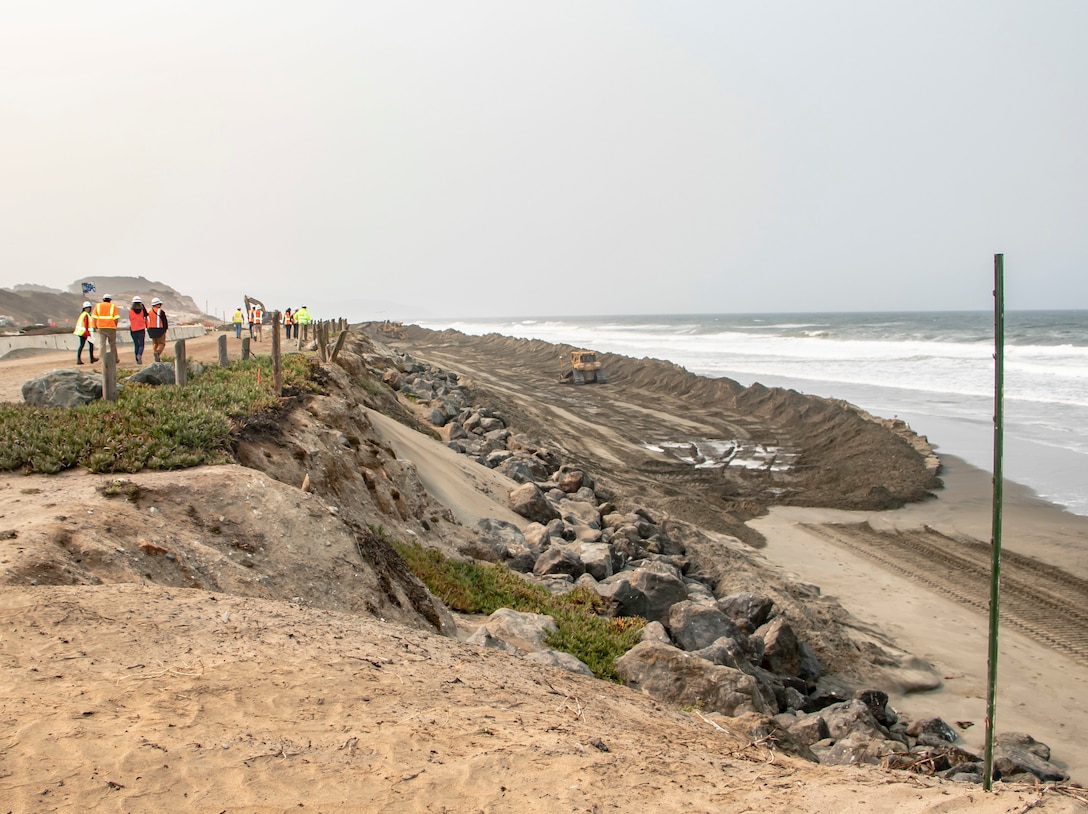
934,370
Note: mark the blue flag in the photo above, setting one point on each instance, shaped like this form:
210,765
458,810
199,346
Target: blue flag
88,288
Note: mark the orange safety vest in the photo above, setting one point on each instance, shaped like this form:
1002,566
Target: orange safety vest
156,318
288,317
137,320
255,316
105,315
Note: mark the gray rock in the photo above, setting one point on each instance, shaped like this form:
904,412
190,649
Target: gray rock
933,730
679,678
63,388
810,729
750,611
559,560
1017,752
655,632
528,501
157,373
651,593
856,748
694,626
514,632
782,651
599,560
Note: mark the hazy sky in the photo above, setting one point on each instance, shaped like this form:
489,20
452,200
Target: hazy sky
449,158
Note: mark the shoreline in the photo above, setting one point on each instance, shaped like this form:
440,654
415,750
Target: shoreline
1038,687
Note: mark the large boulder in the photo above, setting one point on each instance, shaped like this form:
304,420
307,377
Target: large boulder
695,626
514,632
750,611
675,677
1019,753
782,652
528,501
644,592
559,560
156,374
63,388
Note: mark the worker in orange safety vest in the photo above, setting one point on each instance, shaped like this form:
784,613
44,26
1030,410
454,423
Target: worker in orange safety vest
104,319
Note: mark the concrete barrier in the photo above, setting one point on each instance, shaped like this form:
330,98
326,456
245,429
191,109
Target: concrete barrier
69,341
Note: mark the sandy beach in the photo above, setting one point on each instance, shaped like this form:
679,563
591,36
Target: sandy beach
1039,689
142,695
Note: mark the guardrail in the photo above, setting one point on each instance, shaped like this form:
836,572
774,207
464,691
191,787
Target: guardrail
69,341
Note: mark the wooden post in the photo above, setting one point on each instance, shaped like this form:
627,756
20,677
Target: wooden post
322,343
339,344
277,370
109,373
245,347
181,367
223,361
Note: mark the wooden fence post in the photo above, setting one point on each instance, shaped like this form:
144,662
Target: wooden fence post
323,340
181,367
223,361
109,373
245,347
277,370
339,344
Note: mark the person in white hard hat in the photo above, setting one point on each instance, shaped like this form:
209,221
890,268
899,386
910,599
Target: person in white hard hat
157,323
85,333
104,319
137,327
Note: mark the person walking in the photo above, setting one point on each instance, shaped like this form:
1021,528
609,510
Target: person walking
157,323
104,319
256,317
302,317
288,320
85,334
238,320
137,327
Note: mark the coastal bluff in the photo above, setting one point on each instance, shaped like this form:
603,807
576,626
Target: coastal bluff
198,635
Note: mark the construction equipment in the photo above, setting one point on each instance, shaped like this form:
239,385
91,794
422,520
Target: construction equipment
585,368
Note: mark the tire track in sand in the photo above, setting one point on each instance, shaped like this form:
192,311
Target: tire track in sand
1041,600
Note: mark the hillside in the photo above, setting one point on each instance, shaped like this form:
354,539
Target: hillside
243,637
26,305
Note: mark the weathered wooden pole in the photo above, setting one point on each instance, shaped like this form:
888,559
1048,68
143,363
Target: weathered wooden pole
245,347
181,367
995,541
109,373
339,344
223,361
322,333
277,370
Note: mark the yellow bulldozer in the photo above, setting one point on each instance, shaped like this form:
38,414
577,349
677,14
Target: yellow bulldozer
585,368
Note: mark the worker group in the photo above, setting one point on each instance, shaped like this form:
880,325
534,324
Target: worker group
96,326
257,319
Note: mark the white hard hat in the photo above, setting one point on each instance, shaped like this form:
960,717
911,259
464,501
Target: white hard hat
156,301
107,296
137,299
86,304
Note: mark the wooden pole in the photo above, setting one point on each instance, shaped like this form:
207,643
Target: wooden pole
277,370
245,347
321,332
339,344
181,367
995,541
223,361
109,373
